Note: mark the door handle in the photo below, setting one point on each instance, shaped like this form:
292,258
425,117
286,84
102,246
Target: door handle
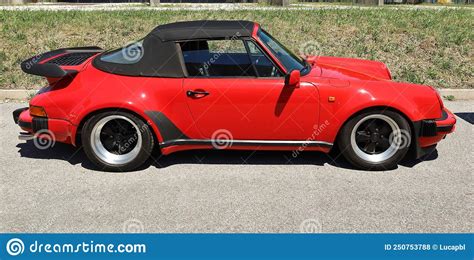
197,94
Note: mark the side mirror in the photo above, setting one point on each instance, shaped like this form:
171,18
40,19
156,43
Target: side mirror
292,79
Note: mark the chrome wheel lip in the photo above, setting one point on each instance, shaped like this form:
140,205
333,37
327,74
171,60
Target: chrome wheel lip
102,153
385,155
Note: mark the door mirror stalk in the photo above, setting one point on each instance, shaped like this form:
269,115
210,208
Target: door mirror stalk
292,79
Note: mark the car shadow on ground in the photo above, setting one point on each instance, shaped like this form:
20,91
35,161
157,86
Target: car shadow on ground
467,116
233,157
412,162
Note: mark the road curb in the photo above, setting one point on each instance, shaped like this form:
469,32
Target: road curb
24,94
458,94
16,94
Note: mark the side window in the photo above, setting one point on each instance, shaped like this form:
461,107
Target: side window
129,54
263,65
217,58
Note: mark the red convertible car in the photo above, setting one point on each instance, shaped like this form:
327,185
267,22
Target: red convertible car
227,85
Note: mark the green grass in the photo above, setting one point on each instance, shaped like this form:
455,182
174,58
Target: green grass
449,98
434,47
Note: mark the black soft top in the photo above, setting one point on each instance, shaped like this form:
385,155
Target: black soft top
161,53
204,29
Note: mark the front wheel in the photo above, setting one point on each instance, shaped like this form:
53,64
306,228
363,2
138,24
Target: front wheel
117,141
375,140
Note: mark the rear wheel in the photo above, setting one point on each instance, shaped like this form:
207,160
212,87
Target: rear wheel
117,141
375,140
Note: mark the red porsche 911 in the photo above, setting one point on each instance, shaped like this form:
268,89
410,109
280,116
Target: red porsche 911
227,85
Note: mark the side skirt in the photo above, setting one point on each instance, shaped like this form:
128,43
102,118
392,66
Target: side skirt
246,143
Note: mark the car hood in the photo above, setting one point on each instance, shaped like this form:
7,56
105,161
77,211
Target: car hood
348,68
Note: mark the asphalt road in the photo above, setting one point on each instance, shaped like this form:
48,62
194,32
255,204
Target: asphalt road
56,190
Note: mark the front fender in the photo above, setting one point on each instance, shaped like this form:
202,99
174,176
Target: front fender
413,101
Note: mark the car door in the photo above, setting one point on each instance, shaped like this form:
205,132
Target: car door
234,88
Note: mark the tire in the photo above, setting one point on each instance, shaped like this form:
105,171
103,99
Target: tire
117,141
375,140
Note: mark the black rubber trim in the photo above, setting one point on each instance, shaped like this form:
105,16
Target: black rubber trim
168,130
428,128
25,124
444,116
444,128
16,114
243,143
39,123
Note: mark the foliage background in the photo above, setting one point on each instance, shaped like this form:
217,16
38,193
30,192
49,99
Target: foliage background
433,47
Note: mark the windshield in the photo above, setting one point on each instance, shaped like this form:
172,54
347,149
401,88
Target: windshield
286,57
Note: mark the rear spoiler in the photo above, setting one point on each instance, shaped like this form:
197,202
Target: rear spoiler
50,64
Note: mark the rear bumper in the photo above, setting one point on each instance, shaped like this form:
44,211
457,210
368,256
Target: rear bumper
60,130
16,115
430,132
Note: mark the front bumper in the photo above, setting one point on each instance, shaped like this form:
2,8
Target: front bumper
60,130
430,132
445,124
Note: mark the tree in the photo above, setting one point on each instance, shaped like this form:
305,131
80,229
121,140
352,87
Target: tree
154,2
280,2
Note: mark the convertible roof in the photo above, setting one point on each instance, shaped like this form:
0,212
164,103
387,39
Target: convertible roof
204,29
162,56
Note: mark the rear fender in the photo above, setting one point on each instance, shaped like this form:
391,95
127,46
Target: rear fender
129,108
